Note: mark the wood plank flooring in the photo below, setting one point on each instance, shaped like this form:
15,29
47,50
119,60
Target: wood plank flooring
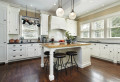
30,71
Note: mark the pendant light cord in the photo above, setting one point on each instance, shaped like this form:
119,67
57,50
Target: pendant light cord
59,3
26,10
72,3
35,12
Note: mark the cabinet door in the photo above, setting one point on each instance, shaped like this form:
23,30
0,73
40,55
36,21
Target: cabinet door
13,20
3,14
95,50
39,50
44,24
118,55
3,54
30,51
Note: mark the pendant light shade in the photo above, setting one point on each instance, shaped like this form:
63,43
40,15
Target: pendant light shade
72,15
60,11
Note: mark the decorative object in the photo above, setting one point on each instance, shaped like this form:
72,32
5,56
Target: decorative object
72,15
11,41
60,11
69,37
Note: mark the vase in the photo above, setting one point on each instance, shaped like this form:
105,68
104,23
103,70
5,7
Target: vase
68,41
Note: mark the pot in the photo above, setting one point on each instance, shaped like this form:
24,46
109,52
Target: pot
68,41
11,41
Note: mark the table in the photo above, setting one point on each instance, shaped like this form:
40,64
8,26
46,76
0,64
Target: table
83,57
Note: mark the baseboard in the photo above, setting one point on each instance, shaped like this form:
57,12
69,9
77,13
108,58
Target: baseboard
85,65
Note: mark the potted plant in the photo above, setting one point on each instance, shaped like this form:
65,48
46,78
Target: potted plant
69,37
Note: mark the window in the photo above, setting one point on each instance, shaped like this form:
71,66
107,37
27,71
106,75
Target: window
30,31
98,29
85,29
114,27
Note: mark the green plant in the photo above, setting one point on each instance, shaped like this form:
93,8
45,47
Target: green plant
69,36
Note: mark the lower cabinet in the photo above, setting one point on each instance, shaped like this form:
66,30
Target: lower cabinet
110,52
19,51
33,50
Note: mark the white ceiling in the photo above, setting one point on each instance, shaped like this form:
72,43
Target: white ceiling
81,6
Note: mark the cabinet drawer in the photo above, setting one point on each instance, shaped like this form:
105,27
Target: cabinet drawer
16,56
15,45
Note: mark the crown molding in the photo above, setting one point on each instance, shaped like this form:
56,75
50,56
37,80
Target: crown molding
100,9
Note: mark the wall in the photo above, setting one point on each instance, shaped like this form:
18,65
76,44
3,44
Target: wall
30,14
101,13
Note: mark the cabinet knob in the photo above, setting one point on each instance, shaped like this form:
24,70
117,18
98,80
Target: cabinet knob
118,52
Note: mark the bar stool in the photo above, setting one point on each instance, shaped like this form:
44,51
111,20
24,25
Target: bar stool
46,64
59,62
71,59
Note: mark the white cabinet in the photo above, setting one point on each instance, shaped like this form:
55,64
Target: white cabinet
44,24
72,27
58,23
95,50
19,51
13,20
3,33
106,51
16,51
34,50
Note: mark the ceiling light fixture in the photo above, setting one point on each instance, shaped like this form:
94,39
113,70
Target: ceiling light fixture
72,15
60,11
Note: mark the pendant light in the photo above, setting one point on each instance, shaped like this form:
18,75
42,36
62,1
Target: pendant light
72,15
60,11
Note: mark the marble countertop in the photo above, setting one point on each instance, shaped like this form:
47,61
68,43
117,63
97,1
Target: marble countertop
59,45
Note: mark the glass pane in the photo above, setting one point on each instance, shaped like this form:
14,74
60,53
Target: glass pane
98,25
115,32
115,21
98,34
85,27
85,34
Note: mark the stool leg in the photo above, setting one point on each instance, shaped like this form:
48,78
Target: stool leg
75,62
68,61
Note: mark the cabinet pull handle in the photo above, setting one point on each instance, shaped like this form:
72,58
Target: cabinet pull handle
20,45
118,52
13,45
110,51
14,50
106,45
20,49
20,55
14,56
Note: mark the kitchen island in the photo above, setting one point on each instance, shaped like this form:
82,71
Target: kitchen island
83,57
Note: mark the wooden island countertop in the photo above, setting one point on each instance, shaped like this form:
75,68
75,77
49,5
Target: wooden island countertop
59,45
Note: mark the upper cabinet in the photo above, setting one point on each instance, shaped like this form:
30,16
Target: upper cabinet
72,27
58,23
13,20
44,24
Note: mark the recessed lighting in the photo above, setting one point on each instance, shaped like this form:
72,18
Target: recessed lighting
54,3
31,5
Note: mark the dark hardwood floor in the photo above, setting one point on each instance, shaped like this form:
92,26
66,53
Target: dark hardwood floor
30,71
